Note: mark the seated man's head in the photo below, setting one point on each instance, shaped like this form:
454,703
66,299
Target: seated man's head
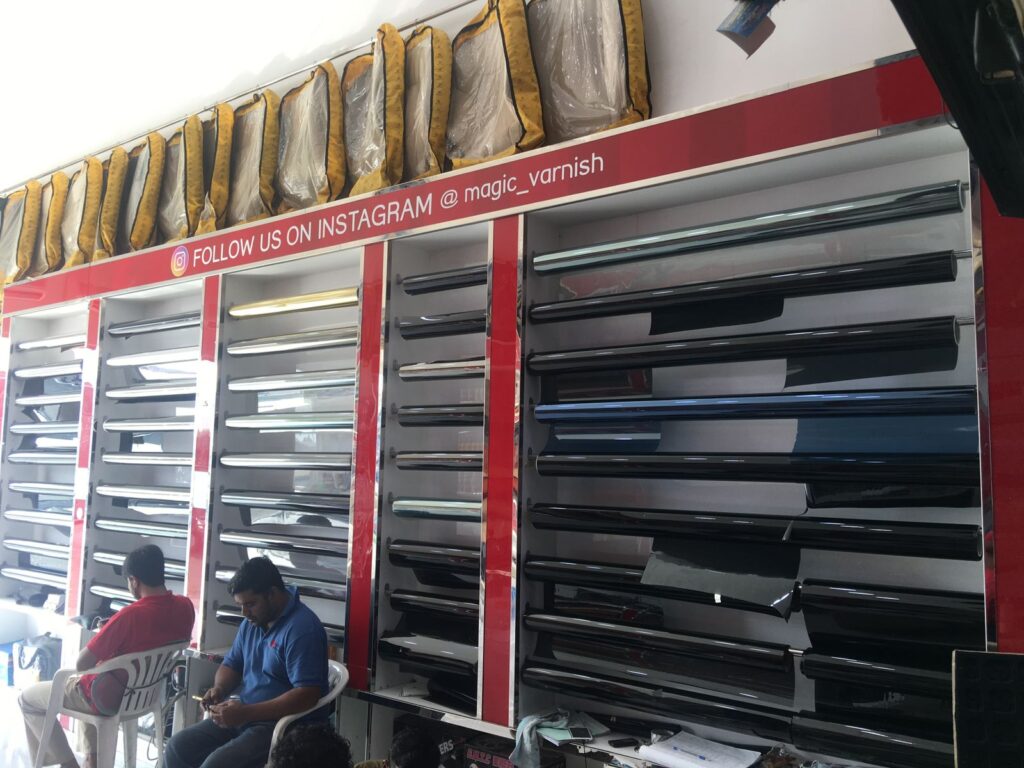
144,567
259,591
414,749
311,746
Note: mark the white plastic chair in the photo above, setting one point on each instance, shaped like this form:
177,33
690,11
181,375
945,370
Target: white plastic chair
337,678
144,693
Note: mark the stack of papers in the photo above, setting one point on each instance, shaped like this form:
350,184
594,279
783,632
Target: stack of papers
684,750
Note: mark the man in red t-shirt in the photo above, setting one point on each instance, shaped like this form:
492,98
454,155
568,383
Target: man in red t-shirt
156,618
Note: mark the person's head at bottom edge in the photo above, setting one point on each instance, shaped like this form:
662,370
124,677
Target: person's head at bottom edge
311,746
414,749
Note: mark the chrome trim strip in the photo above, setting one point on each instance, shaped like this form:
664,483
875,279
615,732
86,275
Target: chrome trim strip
450,461
178,389
826,217
437,509
296,381
143,528
335,421
49,371
161,424
149,459
460,415
37,576
66,490
326,338
321,503
335,632
45,428
448,324
328,547
469,368
308,585
66,458
29,401
156,357
447,280
53,342
111,593
158,509
39,517
155,325
173,568
434,556
145,492
342,297
330,462
423,602
40,548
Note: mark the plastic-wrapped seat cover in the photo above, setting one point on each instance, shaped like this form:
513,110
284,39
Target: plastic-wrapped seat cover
428,90
591,64
495,109
47,256
374,89
115,169
181,192
311,160
254,159
82,213
217,137
18,228
137,228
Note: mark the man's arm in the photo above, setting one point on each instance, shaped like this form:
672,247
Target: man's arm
86,660
225,681
234,714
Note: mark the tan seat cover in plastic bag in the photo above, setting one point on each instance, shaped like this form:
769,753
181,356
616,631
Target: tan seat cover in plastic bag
591,64
181,192
82,213
428,91
495,110
48,254
311,160
18,229
254,159
145,174
115,169
217,137
374,90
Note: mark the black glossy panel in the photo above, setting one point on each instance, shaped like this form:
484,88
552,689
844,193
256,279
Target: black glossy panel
464,415
447,461
896,677
870,744
448,280
423,602
451,324
957,542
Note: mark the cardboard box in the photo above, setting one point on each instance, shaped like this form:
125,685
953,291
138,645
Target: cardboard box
493,752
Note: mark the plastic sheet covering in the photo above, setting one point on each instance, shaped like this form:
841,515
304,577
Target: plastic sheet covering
495,109
311,161
591,64
145,175
18,229
82,213
116,169
428,91
181,193
374,89
218,132
254,159
38,264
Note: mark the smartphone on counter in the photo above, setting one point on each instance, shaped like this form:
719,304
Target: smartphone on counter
579,733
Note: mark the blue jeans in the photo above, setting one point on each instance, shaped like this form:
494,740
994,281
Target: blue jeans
207,745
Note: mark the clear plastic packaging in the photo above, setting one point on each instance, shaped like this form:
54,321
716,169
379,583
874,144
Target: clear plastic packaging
591,64
18,227
144,178
254,159
495,101
428,90
115,169
181,193
81,213
218,133
39,264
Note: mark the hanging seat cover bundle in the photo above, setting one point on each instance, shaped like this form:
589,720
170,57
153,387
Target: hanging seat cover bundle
591,64
181,193
495,107
82,213
374,90
311,160
137,228
428,91
18,227
217,138
254,159
115,169
47,256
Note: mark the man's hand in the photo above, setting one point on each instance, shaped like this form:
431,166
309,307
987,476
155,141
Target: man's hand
214,695
230,714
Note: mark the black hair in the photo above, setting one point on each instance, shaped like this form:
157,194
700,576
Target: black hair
414,749
311,746
257,575
146,564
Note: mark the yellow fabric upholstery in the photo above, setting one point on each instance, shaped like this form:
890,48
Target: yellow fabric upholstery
82,213
115,171
217,139
18,229
428,91
145,175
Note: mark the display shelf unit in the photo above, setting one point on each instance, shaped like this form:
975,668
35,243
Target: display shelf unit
680,438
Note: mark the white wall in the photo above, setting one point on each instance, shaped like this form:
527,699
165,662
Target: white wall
80,76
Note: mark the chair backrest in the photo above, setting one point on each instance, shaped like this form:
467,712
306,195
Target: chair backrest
147,675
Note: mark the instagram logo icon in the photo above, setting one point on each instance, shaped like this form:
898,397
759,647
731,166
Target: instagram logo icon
179,261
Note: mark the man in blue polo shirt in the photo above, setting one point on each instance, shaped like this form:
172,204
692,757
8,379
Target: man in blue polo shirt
277,666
